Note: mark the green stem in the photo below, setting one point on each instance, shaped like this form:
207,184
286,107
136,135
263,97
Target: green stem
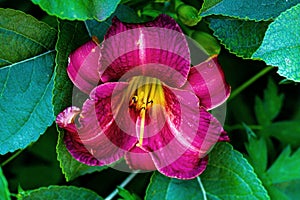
122,185
241,127
11,158
249,82
202,188
14,195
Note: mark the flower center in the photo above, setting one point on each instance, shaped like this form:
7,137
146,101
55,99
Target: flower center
145,92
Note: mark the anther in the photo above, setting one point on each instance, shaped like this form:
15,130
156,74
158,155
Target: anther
134,99
143,108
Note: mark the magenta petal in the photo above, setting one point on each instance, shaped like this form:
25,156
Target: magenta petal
180,116
138,159
185,159
209,84
188,166
72,141
83,66
189,133
98,130
78,150
224,137
66,118
152,49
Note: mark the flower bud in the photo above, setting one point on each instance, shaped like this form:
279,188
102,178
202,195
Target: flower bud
208,43
188,15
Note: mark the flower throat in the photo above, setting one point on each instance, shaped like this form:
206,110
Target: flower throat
144,93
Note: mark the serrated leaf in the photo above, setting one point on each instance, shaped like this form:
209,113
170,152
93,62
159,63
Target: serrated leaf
79,9
286,167
287,132
71,168
268,108
59,193
71,35
25,101
258,159
240,37
4,192
228,176
251,10
22,36
281,44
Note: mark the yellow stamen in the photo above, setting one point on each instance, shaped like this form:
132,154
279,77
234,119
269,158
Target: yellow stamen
144,93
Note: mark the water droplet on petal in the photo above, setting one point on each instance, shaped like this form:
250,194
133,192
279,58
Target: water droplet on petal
210,65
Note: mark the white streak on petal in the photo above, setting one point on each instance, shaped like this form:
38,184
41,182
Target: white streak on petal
141,46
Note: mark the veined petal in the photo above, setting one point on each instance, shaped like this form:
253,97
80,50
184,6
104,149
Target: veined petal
208,82
72,141
78,150
83,66
138,159
66,118
188,166
180,147
158,49
98,129
178,160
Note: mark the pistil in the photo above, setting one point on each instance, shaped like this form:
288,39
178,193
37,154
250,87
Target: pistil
142,127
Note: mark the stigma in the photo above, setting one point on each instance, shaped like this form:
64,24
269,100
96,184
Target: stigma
144,93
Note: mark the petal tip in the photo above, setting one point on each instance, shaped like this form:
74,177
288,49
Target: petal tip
83,66
66,118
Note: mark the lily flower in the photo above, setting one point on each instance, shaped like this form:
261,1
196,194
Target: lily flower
146,103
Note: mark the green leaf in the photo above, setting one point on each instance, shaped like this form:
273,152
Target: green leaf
25,101
228,176
22,36
240,37
71,168
162,187
99,29
281,44
276,194
79,9
258,159
126,195
268,108
290,188
43,161
251,10
59,193
71,35
286,167
4,192
287,132
207,4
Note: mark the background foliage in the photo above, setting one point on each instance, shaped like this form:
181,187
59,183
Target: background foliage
258,43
